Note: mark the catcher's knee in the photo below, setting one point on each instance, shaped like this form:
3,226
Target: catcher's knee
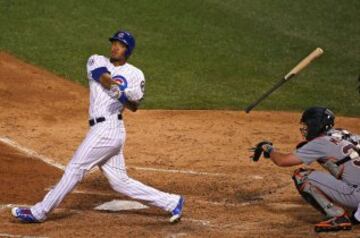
314,195
300,176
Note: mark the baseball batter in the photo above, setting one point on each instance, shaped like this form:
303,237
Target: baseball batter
114,85
337,151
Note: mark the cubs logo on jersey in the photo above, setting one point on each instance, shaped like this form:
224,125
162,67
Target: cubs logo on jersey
121,81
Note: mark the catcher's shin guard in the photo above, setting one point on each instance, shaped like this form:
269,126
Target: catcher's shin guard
314,195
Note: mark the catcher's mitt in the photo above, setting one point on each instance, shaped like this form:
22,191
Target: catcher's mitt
263,147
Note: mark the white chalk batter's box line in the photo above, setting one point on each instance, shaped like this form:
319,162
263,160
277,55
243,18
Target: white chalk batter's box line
19,236
34,154
6,206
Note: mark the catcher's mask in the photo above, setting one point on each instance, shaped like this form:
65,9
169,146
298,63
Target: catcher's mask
316,121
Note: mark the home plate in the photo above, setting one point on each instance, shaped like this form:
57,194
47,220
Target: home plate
120,205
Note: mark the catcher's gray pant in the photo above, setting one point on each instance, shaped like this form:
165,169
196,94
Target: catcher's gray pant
337,190
103,146
313,185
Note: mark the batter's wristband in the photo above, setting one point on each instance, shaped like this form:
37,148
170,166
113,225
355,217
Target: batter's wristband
123,98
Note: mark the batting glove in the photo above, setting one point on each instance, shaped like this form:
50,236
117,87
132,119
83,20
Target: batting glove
115,91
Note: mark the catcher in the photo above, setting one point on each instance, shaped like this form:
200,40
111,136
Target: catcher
337,151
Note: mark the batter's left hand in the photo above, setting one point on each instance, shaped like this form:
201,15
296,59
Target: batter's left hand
261,148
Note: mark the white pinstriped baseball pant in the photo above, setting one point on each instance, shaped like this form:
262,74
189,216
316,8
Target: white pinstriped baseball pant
103,147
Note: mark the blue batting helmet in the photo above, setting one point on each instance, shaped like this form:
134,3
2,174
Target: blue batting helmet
126,38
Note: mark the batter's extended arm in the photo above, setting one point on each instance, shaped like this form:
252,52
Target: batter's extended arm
284,160
266,149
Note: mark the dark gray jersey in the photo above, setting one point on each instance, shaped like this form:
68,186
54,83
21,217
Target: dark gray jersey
327,150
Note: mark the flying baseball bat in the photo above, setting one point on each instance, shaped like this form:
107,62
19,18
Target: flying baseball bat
296,70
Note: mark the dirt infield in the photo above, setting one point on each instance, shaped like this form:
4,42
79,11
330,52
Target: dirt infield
200,154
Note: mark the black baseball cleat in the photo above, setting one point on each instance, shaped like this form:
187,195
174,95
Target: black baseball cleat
334,224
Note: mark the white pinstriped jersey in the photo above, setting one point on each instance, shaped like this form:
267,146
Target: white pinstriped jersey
101,104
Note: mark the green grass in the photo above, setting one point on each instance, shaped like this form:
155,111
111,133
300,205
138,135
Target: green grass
201,54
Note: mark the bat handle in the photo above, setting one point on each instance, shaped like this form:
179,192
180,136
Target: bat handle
251,106
265,95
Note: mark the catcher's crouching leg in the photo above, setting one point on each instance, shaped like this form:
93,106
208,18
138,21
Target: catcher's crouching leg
313,195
